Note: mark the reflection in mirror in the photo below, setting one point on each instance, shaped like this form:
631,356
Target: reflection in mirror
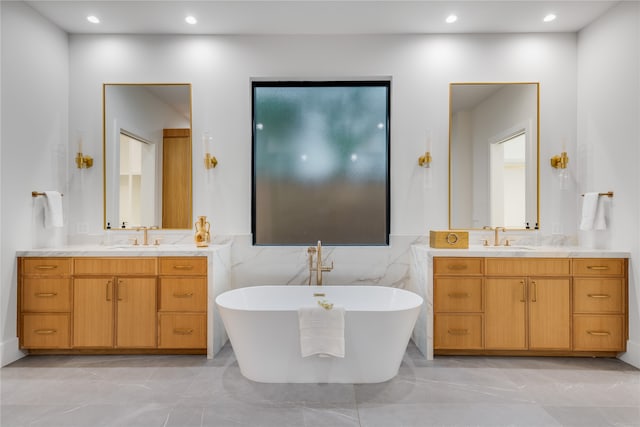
147,155
493,155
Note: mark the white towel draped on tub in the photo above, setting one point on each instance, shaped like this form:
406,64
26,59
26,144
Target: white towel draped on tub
321,331
593,212
53,209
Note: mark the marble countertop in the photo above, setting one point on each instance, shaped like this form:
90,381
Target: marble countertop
121,251
526,252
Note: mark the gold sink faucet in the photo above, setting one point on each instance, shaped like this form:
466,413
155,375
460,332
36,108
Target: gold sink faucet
319,267
496,234
145,235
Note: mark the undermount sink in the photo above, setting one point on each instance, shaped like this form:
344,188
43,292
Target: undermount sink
508,248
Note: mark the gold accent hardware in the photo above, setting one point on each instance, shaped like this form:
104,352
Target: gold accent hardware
319,267
210,161
120,287
325,304
458,332
598,296
496,239
183,331
185,295
83,161
535,291
524,296
459,295
109,290
46,267
608,194
425,160
45,331
598,267
599,333
318,294
560,161
46,294
145,234
457,267
183,267
38,193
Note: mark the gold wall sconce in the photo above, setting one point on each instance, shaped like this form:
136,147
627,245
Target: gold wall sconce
425,160
83,161
560,161
210,161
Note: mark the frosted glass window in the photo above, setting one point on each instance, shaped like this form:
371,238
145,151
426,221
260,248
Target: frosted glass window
321,163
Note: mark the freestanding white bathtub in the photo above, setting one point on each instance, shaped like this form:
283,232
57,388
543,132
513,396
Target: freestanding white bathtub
262,323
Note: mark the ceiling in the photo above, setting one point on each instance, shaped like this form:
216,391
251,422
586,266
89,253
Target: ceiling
319,16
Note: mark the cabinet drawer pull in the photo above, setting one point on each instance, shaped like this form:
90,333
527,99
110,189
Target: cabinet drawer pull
46,267
45,331
458,332
599,333
524,292
598,267
598,296
46,294
109,290
458,267
535,291
185,295
183,267
459,295
183,331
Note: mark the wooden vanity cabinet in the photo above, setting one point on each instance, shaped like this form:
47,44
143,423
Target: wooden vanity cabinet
530,306
44,303
114,303
600,304
182,314
458,303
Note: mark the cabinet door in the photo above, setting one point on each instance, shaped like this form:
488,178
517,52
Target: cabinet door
136,312
505,311
549,314
93,312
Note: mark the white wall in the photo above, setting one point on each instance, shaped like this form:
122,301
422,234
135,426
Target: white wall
221,67
34,142
609,137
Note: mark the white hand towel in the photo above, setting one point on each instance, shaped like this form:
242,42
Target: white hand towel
53,209
321,331
600,221
589,210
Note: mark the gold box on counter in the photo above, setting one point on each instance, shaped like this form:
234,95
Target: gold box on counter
447,239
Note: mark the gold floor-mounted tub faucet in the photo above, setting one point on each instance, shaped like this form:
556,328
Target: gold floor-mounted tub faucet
318,267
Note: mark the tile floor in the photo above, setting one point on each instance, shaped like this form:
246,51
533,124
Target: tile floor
187,391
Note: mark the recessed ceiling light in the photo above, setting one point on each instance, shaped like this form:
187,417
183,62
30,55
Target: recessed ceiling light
191,20
93,19
550,17
451,19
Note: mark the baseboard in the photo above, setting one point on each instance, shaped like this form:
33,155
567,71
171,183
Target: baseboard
10,352
632,355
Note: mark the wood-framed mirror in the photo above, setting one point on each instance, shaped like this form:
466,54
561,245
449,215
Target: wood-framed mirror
494,155
147,155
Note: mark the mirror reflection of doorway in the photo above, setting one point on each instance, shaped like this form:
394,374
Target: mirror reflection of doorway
508,176
137,180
